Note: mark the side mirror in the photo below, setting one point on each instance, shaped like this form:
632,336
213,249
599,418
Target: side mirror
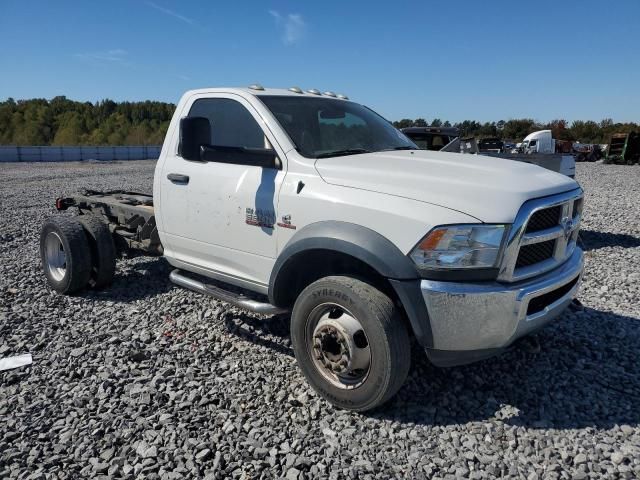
194,132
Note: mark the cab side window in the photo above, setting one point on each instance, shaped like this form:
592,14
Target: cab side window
231,123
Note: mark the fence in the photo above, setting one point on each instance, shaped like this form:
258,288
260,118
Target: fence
78,153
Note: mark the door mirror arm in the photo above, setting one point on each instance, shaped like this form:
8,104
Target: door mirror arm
259,157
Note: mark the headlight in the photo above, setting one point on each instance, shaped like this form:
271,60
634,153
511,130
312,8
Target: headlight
460,246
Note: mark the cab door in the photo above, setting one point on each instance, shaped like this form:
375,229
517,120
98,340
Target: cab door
221,216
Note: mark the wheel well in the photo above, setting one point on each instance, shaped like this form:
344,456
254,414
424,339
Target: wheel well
306,267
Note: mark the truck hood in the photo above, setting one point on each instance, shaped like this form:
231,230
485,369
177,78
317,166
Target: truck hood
487,188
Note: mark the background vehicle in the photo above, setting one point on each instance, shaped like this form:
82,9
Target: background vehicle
564,146
494,145
509,147
312,204
587,152
624,148
541,141
431,138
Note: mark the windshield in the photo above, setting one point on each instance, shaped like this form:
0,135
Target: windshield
322,127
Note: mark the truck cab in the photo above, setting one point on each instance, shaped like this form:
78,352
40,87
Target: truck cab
539,142
314,205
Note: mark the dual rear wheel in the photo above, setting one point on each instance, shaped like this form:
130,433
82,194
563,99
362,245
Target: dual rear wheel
76,252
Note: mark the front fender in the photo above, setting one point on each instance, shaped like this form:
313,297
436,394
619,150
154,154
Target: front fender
355,240
369,247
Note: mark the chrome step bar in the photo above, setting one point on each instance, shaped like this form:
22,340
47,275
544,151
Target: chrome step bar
236,299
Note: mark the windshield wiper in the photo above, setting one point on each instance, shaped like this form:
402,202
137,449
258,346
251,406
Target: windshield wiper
346,151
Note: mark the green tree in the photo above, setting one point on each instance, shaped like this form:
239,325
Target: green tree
71,129
559,129
487,130
404,123
468,128
62,121
519,128
585,131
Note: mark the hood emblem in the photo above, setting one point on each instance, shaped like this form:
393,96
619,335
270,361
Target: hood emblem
567,227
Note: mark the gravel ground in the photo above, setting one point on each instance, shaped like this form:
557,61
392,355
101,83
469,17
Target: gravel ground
148,380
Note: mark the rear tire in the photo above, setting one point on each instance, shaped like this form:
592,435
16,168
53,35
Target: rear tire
65,254
351,343
103,251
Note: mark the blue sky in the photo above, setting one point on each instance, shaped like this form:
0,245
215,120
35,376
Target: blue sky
490,60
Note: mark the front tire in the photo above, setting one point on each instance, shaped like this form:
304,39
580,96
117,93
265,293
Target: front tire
65,254
351,343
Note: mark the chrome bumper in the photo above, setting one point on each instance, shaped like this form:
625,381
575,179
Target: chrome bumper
467,317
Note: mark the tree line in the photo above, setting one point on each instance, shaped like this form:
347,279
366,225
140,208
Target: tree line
61,121
516,129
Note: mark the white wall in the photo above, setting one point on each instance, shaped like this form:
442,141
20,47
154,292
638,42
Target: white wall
10,153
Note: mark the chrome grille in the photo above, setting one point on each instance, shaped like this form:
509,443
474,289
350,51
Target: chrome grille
535,253
543,219
577,207
542,236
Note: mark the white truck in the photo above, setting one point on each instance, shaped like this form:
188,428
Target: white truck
311,204
541,141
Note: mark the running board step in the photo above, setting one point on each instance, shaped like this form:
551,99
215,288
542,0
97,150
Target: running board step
236,299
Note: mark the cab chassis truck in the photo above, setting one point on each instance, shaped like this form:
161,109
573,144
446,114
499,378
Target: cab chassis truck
313,205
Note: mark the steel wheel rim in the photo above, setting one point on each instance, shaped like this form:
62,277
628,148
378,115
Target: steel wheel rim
55,256
338,345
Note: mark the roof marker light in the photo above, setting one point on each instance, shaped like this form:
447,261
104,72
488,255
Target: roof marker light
330,94
314,91
296,90
342,97
256,86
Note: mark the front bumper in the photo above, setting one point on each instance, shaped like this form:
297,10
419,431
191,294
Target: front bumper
471,321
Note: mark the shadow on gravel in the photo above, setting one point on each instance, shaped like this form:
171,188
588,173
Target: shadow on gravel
584,376
144,278
258,331
592,240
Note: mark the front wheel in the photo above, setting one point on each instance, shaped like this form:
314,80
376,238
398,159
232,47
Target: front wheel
350,341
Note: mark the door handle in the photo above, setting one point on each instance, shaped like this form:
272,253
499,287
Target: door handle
178,178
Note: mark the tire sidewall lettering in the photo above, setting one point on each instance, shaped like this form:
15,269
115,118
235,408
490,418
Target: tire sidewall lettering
342,297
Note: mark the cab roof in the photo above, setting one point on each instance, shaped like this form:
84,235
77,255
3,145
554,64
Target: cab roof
259,90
